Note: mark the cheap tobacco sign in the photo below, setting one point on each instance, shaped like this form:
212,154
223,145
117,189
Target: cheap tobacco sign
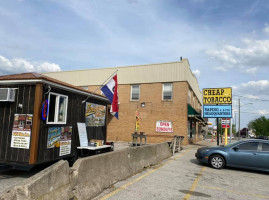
217,96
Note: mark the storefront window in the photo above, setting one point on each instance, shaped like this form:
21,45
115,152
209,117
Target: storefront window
57,109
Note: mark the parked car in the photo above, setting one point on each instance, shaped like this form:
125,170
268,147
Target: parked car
263,137
249,154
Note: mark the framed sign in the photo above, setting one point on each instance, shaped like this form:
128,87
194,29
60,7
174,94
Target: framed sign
82,132
218,111
217,96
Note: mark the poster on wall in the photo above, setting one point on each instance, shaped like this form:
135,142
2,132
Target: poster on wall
95,114
54,134
65,140
21,131
164,127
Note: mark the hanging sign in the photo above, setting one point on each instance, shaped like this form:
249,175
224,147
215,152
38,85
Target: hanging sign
95,114
217,96
45,108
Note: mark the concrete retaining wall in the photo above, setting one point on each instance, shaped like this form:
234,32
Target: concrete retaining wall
51,183
89,176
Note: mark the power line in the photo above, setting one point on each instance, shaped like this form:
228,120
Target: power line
255,113
251,98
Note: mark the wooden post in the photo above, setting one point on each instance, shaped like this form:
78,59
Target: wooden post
36,123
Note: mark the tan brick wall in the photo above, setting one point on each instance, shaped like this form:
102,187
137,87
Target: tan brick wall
155,110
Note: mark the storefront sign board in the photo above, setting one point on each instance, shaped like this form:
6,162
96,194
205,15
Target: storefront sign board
213,96
219,111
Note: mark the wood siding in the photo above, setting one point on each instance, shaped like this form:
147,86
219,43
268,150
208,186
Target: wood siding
25,96
75,113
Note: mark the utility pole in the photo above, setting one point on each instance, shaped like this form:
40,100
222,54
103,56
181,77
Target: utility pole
239,119
218,131
231,129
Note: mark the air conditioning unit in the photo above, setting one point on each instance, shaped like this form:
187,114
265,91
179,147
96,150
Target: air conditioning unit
7,94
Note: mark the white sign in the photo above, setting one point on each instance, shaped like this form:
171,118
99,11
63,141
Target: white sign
20,139
225,121
82,132
164,126
65,147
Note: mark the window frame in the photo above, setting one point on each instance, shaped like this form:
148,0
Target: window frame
131,96
171,92
262,145
56,108
258,146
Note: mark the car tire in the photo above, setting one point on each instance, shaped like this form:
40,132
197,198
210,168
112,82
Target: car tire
217,162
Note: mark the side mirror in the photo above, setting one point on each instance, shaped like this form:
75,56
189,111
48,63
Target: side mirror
235,148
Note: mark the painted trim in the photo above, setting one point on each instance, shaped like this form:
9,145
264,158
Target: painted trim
36,123
9,82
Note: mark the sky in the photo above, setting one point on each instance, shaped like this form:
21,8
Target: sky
225,41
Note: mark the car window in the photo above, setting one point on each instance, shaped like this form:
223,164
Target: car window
265,146
250,146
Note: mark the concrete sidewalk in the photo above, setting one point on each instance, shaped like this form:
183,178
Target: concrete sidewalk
207,142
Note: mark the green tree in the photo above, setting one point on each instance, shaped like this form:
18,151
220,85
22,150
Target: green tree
260,126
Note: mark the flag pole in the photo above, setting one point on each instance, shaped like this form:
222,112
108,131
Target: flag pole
101,85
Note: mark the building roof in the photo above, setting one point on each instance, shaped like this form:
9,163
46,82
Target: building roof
36,77
152,73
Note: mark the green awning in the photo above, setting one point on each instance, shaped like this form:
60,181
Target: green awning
192,112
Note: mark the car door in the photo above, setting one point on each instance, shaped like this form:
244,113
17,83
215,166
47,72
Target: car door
244,154
263,156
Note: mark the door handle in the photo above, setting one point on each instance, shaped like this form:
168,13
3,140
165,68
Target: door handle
255,154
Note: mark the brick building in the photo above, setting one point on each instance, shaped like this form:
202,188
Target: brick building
165,92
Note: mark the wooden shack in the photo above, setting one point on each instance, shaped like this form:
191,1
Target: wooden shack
39,116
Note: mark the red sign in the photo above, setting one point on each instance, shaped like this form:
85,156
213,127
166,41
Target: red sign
225,125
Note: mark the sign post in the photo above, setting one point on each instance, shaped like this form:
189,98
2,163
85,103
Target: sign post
225,141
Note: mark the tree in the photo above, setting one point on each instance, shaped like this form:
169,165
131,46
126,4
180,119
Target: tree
260,126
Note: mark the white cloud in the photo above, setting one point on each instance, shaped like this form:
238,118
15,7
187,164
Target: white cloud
263,112
196,72
266,29
253,88
250,54
223,69
19,65
252,70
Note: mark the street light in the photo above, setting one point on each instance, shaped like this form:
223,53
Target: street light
239,134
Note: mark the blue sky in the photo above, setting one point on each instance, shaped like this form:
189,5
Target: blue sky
225,41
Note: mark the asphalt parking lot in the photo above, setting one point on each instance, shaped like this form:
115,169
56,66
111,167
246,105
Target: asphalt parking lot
183,177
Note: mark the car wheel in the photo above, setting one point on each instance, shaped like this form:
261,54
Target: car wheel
217,161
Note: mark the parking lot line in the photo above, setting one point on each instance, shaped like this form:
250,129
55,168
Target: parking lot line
235,192
187,196
144,175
